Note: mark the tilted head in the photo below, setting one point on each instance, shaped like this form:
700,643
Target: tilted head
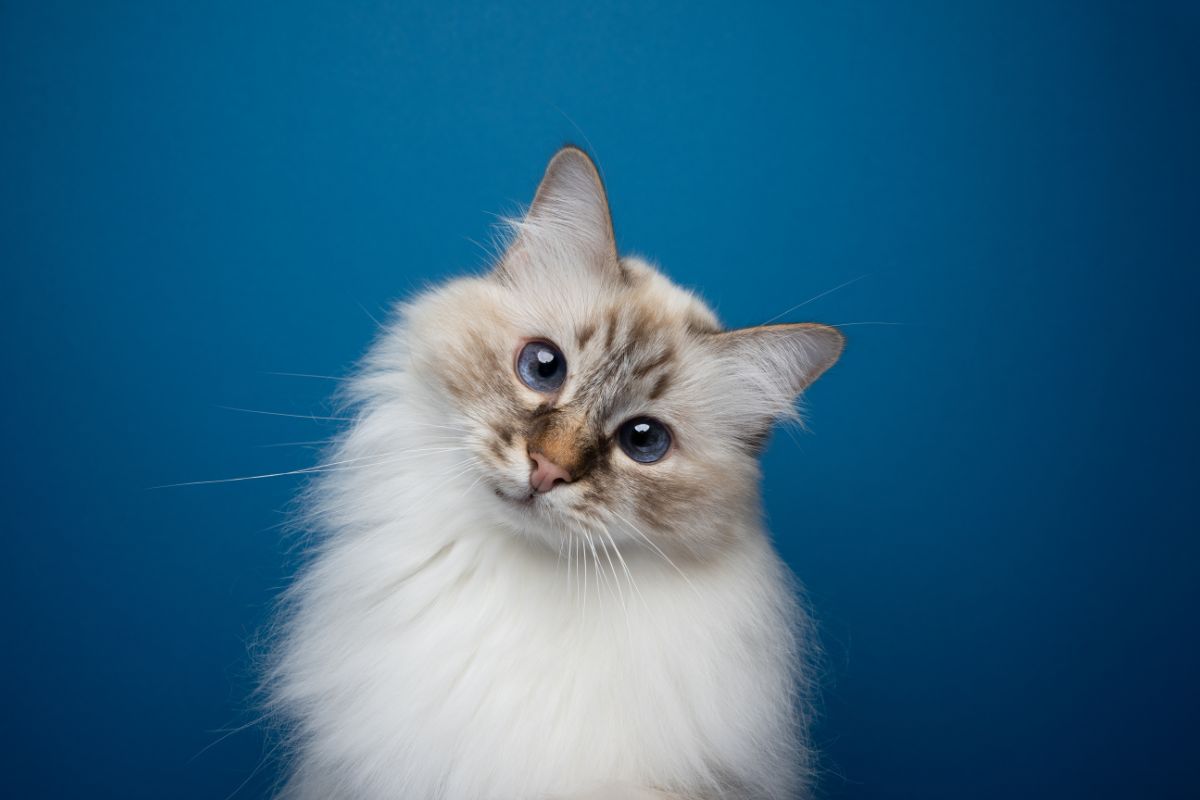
598,395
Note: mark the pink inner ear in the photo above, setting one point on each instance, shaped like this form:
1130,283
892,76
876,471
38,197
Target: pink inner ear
568,223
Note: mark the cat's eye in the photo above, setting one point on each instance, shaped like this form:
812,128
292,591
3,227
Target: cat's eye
644,439
541,366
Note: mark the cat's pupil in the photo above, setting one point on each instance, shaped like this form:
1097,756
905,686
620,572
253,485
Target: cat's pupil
546,366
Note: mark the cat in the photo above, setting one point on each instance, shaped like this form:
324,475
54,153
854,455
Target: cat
539,568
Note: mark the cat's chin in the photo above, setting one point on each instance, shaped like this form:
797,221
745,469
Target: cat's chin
534,515
527,508
522,500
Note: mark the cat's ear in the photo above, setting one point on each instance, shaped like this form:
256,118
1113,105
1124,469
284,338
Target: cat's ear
770,365
568,226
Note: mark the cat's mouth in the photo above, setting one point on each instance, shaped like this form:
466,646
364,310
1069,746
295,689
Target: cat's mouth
523,500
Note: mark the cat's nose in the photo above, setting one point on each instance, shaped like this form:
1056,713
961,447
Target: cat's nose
546,474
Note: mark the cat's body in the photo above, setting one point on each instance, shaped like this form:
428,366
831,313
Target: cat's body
460,635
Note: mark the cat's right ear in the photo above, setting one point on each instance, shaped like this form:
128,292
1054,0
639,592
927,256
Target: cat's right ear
568,228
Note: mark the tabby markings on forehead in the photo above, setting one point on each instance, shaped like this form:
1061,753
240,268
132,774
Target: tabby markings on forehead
610,333
585,334
662,359
661,385
643,323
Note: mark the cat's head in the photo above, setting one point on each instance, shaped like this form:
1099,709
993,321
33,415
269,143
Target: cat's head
598,395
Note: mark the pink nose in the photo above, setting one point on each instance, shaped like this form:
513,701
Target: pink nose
546,474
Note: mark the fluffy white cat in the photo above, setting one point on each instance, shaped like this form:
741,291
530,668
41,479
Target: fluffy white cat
538,567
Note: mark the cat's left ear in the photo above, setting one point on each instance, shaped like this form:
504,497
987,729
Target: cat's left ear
772,364
568,226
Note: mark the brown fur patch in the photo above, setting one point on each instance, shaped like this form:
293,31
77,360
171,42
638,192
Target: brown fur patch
663,502
505,433
562,436
640,327
610,332
661,385
585,334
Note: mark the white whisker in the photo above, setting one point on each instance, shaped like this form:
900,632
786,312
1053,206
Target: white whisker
798,306
624,566
331,466
617,583
309,443
306,375
225,735
312,417
570,558
371,316
596,562
583,563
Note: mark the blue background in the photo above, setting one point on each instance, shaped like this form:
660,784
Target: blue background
995,510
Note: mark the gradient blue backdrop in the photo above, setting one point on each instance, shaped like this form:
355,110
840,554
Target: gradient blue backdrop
995,510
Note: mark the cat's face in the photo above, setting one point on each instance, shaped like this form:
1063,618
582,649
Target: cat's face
600,398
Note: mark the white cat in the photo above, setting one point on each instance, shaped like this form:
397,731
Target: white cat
539,568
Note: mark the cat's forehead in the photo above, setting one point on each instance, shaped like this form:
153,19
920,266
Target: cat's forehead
674,307
643,306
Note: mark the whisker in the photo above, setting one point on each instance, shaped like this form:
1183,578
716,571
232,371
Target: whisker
617,583
312,417
258,768
324,442
562,540
596,562
624,566
225,735
583,563
328,467
305,375
459,468
570,558
459,428
310,443
613,568
817,297
371,316
478,478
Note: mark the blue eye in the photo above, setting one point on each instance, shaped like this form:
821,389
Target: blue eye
541,367
644,439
